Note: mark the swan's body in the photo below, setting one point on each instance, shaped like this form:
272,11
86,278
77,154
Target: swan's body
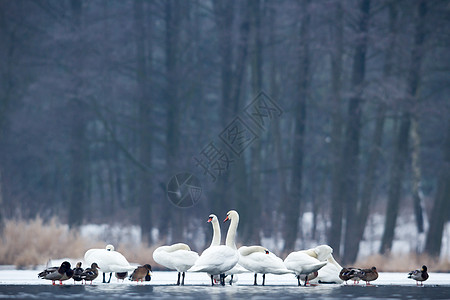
218,259
108,260
177,257
259,260
330,272
301,263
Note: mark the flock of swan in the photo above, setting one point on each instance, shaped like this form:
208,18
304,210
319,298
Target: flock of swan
221,262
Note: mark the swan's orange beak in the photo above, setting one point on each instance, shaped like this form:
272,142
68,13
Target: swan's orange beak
209,220
226,219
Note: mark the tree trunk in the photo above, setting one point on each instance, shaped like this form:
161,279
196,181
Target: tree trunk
172,20
350,163
375,151
145,123
255,189
77,134
440,212
293,207
337,205
401,148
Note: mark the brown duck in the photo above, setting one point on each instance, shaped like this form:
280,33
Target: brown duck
419,275
368,275
90,273
141,273
121,275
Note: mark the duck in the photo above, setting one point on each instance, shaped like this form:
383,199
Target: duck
141,273
302,264
260,260
178,256
309,277
90,273
108,260
60,273
77,272
350,273
419,275
330,272
218,259
368,275
121,275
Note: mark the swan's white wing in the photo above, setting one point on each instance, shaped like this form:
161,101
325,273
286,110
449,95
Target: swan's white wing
108,261
302,263
216,260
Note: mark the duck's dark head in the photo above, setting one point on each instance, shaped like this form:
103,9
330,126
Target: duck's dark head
95,266
148,267
424,268
79,264
373,269
65,265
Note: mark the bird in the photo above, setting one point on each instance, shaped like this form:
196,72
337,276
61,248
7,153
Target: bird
308,277
90,273
108,260
60,273
368,275
121,275
141,273
302,264
419,275
77,272
177,256
217,260
330,272
350,274
260,260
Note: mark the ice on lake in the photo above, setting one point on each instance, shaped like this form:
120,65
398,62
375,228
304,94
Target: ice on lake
24,284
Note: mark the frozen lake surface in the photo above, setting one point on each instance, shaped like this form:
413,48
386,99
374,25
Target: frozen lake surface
17,284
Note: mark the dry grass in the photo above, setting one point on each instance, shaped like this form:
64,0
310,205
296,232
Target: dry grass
31,243
403,263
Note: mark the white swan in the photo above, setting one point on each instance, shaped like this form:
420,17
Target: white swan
217,260
177,256
303,264
330,272
108,261
260,260
237,269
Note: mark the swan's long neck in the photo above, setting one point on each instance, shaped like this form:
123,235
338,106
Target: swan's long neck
216,233
334,262
231,234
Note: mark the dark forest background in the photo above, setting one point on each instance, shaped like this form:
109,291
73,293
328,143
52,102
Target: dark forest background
102,102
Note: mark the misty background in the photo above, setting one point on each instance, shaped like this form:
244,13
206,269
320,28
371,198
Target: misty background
102,102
